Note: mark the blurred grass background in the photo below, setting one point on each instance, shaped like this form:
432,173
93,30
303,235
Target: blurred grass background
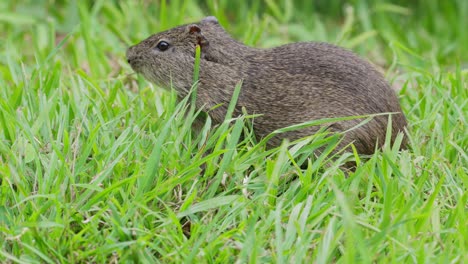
434,30
98,165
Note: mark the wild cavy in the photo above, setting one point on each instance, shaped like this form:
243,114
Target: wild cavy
287,85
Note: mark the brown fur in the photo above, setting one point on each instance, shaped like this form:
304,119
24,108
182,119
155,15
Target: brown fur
290,84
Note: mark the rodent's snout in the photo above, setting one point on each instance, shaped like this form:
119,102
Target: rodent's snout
130,54
132,57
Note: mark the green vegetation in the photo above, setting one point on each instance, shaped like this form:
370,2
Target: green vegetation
98,165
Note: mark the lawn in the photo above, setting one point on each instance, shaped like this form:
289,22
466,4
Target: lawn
97,165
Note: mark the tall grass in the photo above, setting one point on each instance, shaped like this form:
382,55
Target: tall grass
98,165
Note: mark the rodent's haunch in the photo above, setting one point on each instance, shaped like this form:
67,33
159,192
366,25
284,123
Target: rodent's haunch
288,85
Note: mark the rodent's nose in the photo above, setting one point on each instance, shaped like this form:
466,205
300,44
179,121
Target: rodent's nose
131,54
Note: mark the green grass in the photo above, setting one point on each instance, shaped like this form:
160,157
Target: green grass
98,165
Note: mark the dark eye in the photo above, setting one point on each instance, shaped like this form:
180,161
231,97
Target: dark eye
162,45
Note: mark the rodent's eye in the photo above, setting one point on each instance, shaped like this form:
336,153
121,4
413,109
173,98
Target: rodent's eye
162,45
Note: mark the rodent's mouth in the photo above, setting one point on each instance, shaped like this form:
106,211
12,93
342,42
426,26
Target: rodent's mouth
135,63
140,66
134,59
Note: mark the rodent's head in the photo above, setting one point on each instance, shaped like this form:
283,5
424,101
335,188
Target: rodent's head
168,57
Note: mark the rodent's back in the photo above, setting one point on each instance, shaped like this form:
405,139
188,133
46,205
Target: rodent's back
306,81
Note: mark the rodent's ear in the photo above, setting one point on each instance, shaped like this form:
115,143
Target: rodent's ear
193,29
196,31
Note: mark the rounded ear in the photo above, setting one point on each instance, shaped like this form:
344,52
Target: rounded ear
195,30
